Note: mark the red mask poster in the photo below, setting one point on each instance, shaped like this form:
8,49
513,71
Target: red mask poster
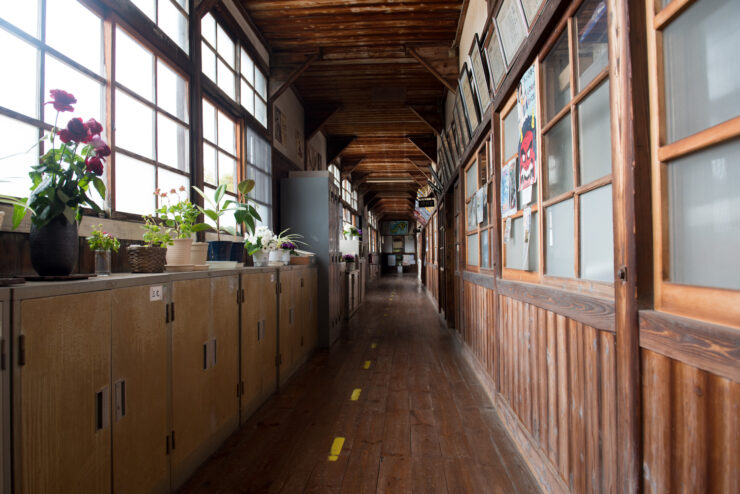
526,99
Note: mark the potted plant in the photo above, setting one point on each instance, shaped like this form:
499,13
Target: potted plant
350,260
287,249
61,182
351,232
150,258
259,245
218,250
181,216
286,246
244,214
101,243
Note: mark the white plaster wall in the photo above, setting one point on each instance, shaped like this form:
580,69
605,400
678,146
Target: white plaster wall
475,21
318,143
292,111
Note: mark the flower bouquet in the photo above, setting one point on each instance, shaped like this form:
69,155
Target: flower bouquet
101,243
260,243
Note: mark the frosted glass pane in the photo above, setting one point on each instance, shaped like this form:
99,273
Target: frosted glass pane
262,185
247,67
556,70
168,180
225,46
208,29
597,254
208,62
265,213
260,83
514,248
226,133
471,180
148,7
704,206
134,66
19,150
60,15
591,38
134,125
260,111
227,172
134,185
23,15
174,24
90,93
172,91
20,91
511,134
226,79
473,247
247,97
485,255
559,249
209,121
594,135
209,164
173,143
259,152
702,76
559,154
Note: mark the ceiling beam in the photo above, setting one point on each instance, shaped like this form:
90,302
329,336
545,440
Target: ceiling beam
294,76
460,24
424,119
205,6
426,145
335,145
447,83
310,132
426,177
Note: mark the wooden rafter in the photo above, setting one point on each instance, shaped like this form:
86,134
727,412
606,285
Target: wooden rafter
447,83
428,179
294,76
317,128
205,6
461,23
335,146
426,145
423,119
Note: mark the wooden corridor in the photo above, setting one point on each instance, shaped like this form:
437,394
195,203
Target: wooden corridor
421,423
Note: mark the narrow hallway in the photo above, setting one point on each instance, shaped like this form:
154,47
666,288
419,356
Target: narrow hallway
420,421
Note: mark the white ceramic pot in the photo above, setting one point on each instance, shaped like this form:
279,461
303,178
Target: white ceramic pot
260,258
285,257
2,217
198,253
276,258
179,252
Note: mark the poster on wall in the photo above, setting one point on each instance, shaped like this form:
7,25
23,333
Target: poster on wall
481,203
526,104
459,114
279,129
479,75
399,227
299,144
508,188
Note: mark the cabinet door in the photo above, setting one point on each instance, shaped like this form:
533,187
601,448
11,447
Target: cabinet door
224,349
250,339
267,348
62,395
311,327
287,323
299,339
140,417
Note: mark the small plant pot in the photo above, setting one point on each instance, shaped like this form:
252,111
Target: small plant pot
143,259
179,252
237,252
198,253
285,257
276,258
102,262
260,259
219,250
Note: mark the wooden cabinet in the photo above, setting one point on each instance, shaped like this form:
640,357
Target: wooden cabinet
309,316
298,329
352,292
4,391
288,324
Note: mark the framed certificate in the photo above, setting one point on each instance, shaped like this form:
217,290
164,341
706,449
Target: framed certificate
495,59
511,26
466,88
480,82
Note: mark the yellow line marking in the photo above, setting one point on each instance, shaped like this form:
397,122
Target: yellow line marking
374,346
356,394
336,448
367,364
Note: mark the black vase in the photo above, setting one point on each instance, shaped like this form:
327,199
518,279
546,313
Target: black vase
219,250
54,247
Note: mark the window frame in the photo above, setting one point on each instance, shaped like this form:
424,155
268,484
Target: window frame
483,179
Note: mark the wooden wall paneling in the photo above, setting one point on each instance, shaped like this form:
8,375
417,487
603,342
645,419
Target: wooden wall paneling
5,446
563,393
724,433
577,473
690,428
543,377
592,388
140,418
224,347
58,446
552,390
608,424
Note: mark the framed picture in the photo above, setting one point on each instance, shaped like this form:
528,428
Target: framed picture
466,89
531,9
495,59
279,127
452,143
512,28
399,228
480,82
459,116
446,151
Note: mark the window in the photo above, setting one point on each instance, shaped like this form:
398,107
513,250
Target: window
31,46
354,200
152,138
577,172
239,78
335,175
170,15
696,158
259,169
477,219
346,191
220,154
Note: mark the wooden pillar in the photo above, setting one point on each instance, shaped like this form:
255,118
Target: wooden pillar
632,223
196,110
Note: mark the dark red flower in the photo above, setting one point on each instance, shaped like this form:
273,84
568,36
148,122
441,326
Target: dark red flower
65,136
94,165
62,100
78,131
100,147
94,127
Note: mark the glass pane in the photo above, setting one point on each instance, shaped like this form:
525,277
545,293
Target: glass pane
247,97
88,91
148,7
704,209
209,164
20,92
172,91
134,125
134,66
471,180
260,111
259,152
559,154
227,171
260,83
591,38
511,134
225,46
134,185
226,133
183,4
19,151
594,135
597,255
702,81
556,72
208,29
23,15
209,121
60,15
262,185
209,191
168,180
247,67
208,62
559,249
265,213
473,250
226,79
531,7
485,258
173,143
174,24
514,248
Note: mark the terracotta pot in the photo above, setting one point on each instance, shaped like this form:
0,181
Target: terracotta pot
179,252
198,253
54,247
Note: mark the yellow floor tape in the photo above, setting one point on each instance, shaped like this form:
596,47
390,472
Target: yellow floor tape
367,364
336,448
356,394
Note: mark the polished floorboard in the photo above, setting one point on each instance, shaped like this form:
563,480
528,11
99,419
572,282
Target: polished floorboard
422,422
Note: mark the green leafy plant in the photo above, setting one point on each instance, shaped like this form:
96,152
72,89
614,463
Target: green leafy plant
289,241
179,213
217,209
352,231
156,235
244,213
102,240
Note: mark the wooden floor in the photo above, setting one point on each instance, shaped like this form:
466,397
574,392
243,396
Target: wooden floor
422,423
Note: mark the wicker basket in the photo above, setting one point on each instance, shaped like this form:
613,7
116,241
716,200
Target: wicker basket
144,259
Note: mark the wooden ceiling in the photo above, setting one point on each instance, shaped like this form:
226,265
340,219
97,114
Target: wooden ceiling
372,75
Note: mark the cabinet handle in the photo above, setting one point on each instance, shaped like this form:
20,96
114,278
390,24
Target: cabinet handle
120,394
173,440
290,316
102,409
205,356
215,352
172,311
